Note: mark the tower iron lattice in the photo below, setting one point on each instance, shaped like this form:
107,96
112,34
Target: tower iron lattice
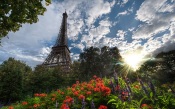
60,53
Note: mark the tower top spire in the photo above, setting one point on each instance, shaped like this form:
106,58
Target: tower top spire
62,36
65,14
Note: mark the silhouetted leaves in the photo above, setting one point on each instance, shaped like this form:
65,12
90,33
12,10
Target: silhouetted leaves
14,13
161,68
96,61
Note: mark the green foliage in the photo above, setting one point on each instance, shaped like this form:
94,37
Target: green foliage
98,93
13,79
98,61
45,79
161,68
13,13
18,81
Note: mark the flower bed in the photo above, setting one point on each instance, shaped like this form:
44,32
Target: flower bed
98,93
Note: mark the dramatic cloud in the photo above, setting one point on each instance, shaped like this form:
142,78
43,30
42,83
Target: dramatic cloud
147,27
32,43
97,9
97,33
157,18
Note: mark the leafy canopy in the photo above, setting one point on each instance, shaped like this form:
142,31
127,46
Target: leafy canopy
13,13
13,75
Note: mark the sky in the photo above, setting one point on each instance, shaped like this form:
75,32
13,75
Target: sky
142,27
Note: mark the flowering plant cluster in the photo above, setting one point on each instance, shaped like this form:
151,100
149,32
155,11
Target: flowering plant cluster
98,93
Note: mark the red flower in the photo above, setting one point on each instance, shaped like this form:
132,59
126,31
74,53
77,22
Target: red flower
76,93
58,91
102,107
96,89
82,88
81,97
136,86
62,93
24,103
11,107
43,95
36,94
117,87
68,100
94,76
99,85
106,90
54,95
88,92
36,105
124,95
146,106
77,82
64,106
73,89
83,84
40,95
91,81
53,99
90,87
99,80
74,85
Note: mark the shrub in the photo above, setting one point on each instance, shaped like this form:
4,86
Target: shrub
98,93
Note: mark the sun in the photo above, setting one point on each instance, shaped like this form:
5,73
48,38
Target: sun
133,60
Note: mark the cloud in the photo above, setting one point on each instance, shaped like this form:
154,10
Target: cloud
97,9
80,46
168,41
121,34
74,28
147,31
131,29
44,51
89,24
126,12
27,43
158,19
125,1
131,9
122,2
166,8
148,9
82,17
122,13
155,21
97,33
74,57
32,43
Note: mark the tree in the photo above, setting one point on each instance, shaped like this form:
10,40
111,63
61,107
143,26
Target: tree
99,61
13,77
162,68
45,79
88,60
75,73
13,13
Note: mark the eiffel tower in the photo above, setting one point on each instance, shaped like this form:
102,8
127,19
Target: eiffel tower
60,54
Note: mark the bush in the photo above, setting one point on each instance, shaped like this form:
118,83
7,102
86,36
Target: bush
98,93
